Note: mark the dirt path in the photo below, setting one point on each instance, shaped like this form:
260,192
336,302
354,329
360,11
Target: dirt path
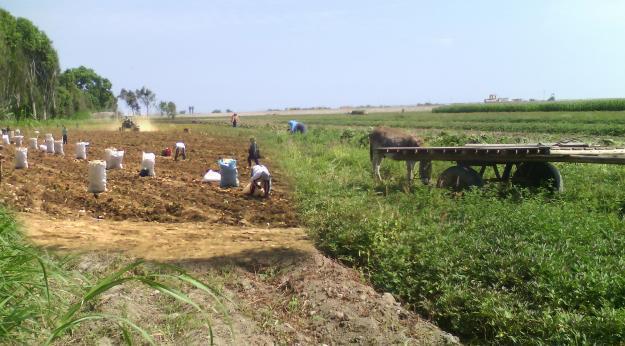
163,242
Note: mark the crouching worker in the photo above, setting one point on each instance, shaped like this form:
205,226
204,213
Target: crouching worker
261,179
180,150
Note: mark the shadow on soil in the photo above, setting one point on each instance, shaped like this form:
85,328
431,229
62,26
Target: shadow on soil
249,260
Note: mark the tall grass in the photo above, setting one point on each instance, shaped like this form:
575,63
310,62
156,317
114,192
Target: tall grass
40,300
559,106
495,265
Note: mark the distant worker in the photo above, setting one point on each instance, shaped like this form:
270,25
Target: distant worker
235,119
296,127
253,153
180,150
261,178
64,133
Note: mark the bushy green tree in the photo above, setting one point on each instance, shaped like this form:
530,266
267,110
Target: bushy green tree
171,109
162,107
96,89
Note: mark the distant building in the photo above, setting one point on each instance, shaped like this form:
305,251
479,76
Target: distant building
492,98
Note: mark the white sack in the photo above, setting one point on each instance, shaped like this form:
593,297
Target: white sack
58,147
43,147
18,140
81,150
211,176
115,160
147,162
5,140
32,143
21,155
49,145
97,176
108,152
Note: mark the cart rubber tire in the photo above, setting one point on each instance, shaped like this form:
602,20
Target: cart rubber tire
538,174
458,178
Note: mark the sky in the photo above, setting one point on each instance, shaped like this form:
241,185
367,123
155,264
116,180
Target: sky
258,54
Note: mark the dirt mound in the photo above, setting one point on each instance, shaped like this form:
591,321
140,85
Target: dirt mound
57,185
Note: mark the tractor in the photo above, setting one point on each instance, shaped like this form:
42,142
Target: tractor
127,123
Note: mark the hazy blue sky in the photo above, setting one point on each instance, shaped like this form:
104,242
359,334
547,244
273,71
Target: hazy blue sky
258,54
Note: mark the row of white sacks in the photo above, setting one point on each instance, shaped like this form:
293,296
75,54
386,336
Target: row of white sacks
97,168
8,138
50,145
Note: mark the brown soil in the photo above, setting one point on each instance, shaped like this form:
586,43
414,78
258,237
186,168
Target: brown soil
163,242
57,185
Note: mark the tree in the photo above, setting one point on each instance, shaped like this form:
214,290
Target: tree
171,109
83,89
131,100
31,83
29,68
162,107
147,97
215,111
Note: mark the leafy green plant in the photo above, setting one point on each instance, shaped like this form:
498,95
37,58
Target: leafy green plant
491,267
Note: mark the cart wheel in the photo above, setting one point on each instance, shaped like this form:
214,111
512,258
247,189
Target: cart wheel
538,174
459,178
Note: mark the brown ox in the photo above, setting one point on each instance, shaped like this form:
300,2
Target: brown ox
389,137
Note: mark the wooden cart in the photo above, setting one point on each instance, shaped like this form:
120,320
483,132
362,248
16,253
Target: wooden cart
525,165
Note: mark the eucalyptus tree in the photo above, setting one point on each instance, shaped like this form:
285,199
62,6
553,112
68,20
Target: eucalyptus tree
147,97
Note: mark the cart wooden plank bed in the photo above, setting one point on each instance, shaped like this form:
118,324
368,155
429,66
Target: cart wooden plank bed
531,162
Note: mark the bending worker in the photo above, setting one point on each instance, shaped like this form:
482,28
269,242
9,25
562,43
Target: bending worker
260,179
180,150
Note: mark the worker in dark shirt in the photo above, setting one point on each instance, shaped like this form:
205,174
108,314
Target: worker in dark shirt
253,153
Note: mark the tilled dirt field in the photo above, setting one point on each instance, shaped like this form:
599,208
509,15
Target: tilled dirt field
57,185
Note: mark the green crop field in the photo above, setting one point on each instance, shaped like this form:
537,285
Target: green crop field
496,265
560,106
558,123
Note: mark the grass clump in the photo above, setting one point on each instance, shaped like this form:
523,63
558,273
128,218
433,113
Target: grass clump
493,265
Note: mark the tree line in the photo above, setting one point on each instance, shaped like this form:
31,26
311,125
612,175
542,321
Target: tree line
147,98
31,82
